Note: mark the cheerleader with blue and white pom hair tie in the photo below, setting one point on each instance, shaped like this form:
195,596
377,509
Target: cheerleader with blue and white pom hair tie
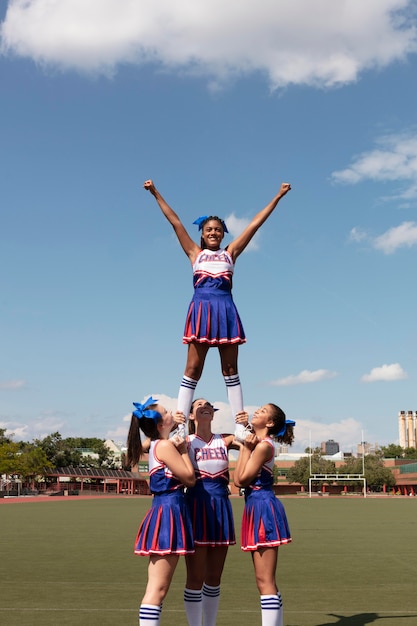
264,523
165,533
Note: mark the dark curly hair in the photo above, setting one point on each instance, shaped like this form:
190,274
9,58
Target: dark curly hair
278,417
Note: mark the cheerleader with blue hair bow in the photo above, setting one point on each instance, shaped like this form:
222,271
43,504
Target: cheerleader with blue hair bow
264,522
165,533
212,318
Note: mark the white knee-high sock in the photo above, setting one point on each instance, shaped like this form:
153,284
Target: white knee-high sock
280,610
271,610
235,397
186,395
193,603
149,615
211,599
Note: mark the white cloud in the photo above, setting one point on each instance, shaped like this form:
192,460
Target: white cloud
46,423
404,235
394,159
347,433
304,377
119,433
385,373
236,226
321,43
357,235
12,385
15,430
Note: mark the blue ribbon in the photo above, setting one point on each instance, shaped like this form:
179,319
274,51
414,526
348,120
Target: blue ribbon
284,428
200,221
143,411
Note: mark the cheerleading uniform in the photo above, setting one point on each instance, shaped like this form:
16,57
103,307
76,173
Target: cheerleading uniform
208,501
264,522
212,316
166,527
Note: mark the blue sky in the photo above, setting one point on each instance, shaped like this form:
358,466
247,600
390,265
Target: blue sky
218,104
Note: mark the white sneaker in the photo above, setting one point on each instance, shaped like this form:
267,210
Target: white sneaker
242,432
180,431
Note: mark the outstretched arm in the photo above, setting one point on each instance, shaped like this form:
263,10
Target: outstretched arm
190,248
239,244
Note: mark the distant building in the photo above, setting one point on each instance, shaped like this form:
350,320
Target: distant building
365,448
407,426
117,450
330,447
87,453
281,449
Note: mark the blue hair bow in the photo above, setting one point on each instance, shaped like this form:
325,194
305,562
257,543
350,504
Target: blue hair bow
143,411
284,428
200,221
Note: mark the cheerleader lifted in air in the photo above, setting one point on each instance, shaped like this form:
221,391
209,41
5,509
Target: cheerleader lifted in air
212,318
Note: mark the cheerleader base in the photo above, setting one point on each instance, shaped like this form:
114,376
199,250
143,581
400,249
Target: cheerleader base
264,522
166,528
211,514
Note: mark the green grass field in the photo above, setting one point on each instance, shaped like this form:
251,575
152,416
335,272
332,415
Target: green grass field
352,562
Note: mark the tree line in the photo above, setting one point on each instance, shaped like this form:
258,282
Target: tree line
375,472
28,459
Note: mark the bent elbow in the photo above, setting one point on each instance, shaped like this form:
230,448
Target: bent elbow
244,482
190,481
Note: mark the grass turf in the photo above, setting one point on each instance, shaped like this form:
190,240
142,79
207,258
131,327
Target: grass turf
352,562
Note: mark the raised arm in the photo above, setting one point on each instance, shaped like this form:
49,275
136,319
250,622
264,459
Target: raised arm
189,246
239,244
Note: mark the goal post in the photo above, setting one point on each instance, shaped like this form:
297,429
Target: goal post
331,478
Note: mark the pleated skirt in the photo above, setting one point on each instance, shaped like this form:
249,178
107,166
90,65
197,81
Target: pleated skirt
211,514
264,522
213,318
166,527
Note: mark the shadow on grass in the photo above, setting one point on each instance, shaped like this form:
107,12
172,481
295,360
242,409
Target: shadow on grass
361,619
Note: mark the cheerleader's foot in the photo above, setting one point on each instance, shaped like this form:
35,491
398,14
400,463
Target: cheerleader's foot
179,432
242,432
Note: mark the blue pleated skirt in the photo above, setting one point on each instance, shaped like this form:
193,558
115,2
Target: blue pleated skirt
264,522
213,318
211,514
166,527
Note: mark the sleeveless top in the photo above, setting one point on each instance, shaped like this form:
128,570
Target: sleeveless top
209,459
213,269
265,479
161,478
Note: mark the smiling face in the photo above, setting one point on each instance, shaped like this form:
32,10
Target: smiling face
212,234
263,417
271,418
202,410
